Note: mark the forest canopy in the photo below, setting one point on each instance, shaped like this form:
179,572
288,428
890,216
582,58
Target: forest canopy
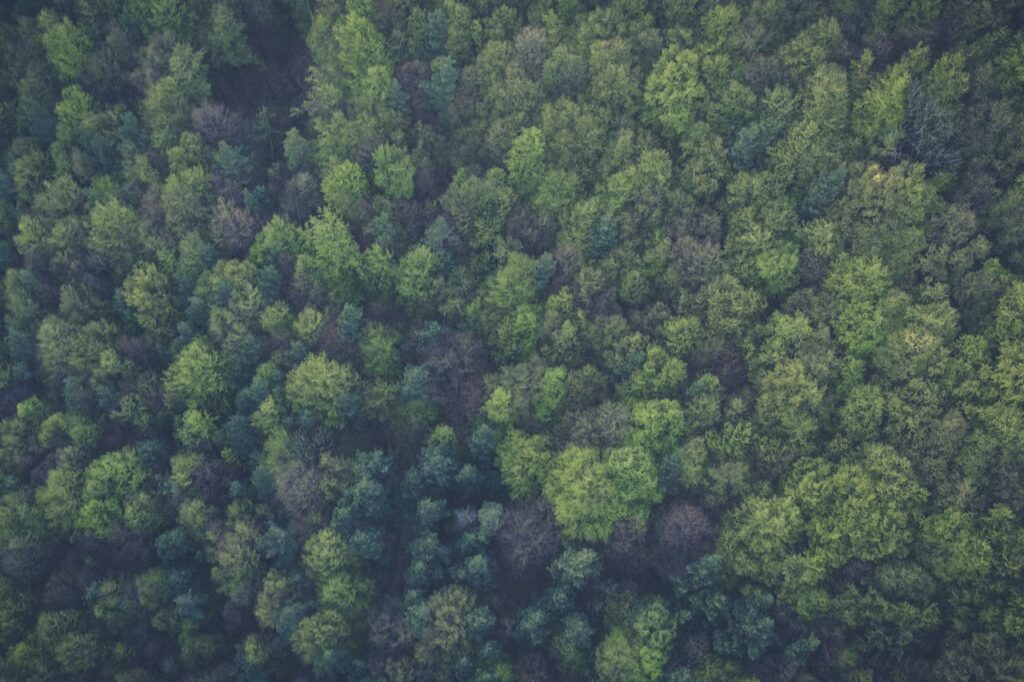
512,340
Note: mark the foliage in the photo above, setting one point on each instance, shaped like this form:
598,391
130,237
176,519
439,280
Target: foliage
470,341
322,387
590,491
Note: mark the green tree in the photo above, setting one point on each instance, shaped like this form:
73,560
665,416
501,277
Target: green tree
759,537
416,277
729,306
524,461
653,630
440,89
861,510
187,200
864,304
168,104
525,161
320,637
344,188
195,377
325,554
332,257
117,235
146,293
113,495
446,637
60,497
551,393
789,406
479,205
362,45
828,515
324,388
379,349
393,171
658,425
226,38
674,91
67,45
886,213
591,491
957,551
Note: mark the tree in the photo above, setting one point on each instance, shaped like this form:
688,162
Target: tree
67,45
885,215
682,534
641,651
344,188
146,293
854,511
332,257
524,462
362,45
760,535
318,639
748,629
169,101
525,161
195,377
446,637
378,349
878,114
958,553
653,629
117,235
661,376
863,310
863,510
862,413
393,171
552,393
187,200
113,495
324,388
506,306
440,88
325,554
416,277
226,38
479,206
60,497
591,491
789,405
729,306
528,537
658,425
674,90
618,660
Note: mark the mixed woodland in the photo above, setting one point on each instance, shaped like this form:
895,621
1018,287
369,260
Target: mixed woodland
512,340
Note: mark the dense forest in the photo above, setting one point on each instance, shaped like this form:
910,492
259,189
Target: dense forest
512,340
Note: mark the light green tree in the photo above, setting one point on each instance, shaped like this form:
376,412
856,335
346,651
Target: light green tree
322,387
393,171
591,491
